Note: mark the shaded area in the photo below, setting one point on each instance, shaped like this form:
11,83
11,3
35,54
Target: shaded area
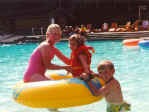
21,15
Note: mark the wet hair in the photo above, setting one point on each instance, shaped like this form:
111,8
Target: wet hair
78,38
53,28
105,64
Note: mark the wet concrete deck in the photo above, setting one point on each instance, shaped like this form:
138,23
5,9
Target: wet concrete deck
12,39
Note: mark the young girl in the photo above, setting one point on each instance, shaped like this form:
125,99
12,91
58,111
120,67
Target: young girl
80,59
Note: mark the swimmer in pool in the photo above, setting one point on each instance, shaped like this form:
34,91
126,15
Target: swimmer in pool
42,56
111,90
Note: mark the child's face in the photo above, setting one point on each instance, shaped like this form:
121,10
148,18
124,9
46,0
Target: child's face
105,73
73,45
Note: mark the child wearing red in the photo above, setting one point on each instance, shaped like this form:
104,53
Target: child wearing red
80,56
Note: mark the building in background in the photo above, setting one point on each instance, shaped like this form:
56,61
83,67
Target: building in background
23,15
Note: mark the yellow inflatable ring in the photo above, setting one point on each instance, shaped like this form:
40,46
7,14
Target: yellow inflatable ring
55,93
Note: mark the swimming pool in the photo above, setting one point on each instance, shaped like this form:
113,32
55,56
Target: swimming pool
131,70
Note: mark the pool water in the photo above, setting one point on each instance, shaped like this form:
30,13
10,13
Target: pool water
132,70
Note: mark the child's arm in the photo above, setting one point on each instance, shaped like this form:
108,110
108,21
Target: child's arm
83,60
98,92
102,91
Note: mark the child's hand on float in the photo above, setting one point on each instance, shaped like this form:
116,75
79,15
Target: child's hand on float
84,76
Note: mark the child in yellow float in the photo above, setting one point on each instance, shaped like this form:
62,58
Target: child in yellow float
111,90
80,59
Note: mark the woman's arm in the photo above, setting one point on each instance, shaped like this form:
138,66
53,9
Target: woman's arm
62,57
46,51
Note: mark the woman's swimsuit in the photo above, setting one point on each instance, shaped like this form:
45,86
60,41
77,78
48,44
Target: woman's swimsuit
35,66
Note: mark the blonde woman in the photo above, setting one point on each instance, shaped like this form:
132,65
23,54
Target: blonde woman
42,56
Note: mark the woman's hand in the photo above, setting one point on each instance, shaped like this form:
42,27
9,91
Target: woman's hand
68,68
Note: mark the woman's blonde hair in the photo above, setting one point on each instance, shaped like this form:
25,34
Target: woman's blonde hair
53,28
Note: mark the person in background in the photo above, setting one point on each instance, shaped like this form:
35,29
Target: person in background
89,28
145,24
105,27
136,25
83,30
114,27
65,31
70,30
128,26
77,30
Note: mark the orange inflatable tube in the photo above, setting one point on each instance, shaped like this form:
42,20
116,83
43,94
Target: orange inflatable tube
131,42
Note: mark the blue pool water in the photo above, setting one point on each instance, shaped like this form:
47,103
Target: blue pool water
132,70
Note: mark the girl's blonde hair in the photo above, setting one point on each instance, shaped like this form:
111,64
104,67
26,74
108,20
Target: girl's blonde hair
78,38
53,28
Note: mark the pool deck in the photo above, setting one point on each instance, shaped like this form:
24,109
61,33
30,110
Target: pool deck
19,39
